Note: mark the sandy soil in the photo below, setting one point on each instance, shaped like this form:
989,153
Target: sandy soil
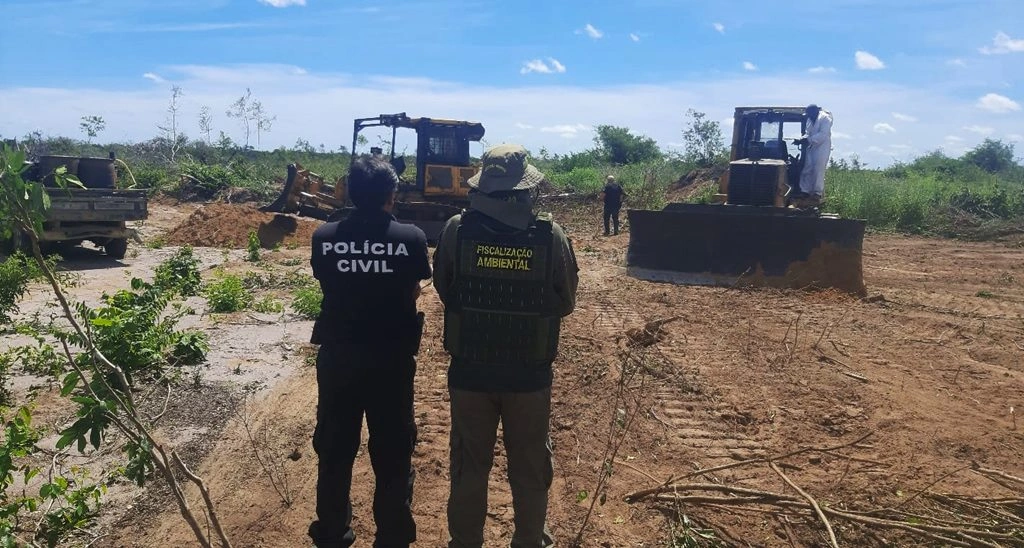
929,366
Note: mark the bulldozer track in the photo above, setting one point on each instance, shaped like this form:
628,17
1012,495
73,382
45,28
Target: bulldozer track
694,422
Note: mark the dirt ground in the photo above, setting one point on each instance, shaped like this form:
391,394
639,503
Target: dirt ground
929,367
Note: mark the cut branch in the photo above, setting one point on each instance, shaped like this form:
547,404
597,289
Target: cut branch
813,503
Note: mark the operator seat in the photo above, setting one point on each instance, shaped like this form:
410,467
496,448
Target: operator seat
776,149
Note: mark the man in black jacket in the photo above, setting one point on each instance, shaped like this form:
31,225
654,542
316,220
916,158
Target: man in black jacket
369,267
612,195
506,277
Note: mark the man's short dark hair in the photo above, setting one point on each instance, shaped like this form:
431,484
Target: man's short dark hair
370,181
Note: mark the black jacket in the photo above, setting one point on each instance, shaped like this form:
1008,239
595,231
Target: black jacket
369,266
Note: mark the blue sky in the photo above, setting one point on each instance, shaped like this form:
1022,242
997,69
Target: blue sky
901,77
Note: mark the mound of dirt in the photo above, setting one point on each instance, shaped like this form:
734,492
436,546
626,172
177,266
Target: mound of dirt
700,175
229,225
694,183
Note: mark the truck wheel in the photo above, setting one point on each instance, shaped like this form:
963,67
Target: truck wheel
116,248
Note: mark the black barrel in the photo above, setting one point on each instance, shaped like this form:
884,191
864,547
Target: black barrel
46,165
97,172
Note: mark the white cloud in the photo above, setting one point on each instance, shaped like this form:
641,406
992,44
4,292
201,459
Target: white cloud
521,125
993,102
634,37
132,111
956,62
821,70
866,61
540,66
719,27
747,65
883,127
1015,137
1002,43
876,149
954,139
980,130
566,131
283,3
903,117
591,31
154,77
839,135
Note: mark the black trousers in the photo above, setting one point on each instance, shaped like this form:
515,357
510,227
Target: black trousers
380,386
611,213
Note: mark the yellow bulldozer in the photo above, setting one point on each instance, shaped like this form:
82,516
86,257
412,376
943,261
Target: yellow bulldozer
759,231
434,193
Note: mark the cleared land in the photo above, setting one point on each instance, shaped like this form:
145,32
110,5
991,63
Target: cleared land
928,367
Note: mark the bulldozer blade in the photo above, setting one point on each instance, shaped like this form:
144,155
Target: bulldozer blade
280,205
731,245
430,217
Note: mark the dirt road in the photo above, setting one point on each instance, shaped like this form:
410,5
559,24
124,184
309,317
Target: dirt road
928,367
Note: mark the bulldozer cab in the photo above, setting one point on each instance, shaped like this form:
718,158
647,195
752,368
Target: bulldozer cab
764,164
443,162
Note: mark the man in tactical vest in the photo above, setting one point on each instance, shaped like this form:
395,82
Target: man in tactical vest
506,277
369,267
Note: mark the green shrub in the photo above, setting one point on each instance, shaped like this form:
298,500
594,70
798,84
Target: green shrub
150,177
307,301
579,179
14,278
188,348
227,294
253,248
268,305
179,274
134,329
41,359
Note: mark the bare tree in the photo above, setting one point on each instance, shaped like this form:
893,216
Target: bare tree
260,117
170,129
206,123
241,109
92,126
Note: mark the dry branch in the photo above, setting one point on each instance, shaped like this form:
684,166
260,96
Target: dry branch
955,536
990,523
811,501
997,473
639,494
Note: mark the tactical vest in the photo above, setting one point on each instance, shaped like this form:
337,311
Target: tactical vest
502,310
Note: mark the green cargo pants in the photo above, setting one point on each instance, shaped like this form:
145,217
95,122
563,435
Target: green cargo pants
524,419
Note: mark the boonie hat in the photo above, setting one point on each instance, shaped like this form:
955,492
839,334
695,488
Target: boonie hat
505,168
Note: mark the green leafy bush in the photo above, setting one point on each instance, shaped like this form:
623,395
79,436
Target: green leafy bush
188,348
69,502
179,274
307,301
14,278
268,305
135,329
150,177
227,294
579,179
253,248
